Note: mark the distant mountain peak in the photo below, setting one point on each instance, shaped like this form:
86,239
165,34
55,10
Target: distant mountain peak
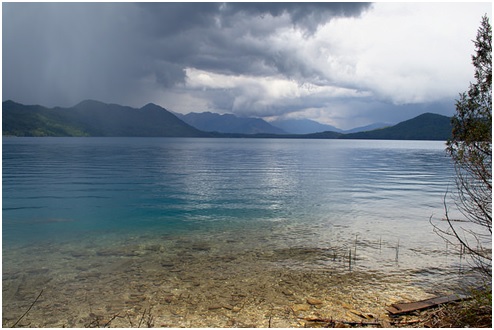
152,106
7,102
89,102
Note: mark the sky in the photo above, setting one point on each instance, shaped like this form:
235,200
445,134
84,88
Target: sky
344,64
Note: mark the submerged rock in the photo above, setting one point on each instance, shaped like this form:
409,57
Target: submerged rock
314,301
300,308
216,306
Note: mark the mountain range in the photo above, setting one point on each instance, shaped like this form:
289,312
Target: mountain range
307,126
94,118
227,123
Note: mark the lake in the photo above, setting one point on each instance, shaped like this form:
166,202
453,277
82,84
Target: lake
104,225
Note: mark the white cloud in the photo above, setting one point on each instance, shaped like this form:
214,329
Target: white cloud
403,52
266,96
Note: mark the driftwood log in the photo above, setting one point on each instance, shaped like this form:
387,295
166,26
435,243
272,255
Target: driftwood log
384,323
404,308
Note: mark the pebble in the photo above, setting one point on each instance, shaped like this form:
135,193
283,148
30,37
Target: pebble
80,254
352,317
213,307
104,322
341,325
345,305
385,324
166,264
300,308
200,247
314,301
359,314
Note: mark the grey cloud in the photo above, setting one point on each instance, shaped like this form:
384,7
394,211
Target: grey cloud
211,36
170,18
169,74
59,53
304,14
71,51
165,19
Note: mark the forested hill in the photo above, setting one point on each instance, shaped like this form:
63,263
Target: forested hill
93,118
428,126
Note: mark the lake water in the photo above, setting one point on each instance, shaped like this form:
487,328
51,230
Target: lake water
144,207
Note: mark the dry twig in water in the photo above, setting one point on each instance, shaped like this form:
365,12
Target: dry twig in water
34,302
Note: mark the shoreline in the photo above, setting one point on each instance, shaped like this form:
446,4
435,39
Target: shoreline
190,284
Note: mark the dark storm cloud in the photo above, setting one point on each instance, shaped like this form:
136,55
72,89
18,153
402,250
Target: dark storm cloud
227,37
60,53
165,19
169,18
304,14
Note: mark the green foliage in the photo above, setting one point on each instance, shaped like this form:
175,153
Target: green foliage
471,149
20,120
472,124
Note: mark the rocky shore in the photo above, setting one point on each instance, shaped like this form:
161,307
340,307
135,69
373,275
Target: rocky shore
173,283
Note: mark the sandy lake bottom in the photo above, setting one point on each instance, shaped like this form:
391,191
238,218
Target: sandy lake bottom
200,281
